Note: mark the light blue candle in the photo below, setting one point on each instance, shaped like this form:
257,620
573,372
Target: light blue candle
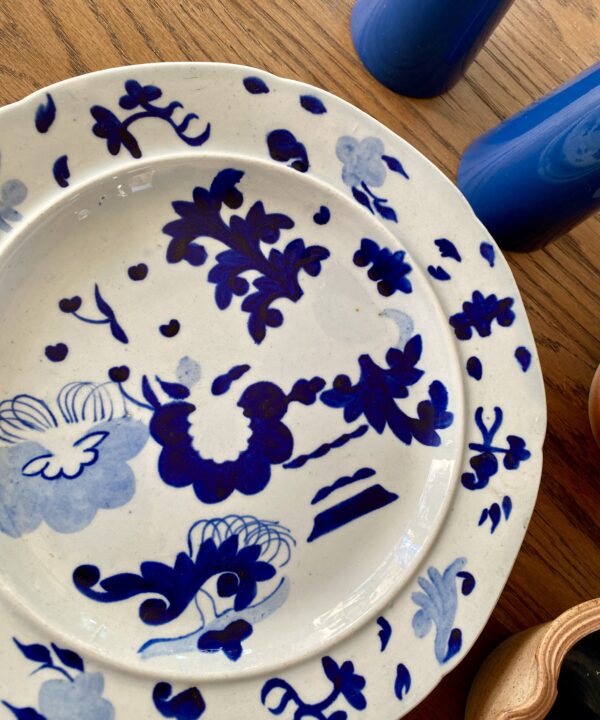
537,175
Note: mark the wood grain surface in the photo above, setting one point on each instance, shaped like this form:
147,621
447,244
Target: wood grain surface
539,44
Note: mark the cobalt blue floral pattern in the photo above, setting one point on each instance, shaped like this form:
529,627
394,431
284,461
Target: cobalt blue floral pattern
278,272
485,463
116,132
186,705
479,314
375,394
45,479
271,442
241,552
75,694
388,269
364,167
438,606
346,683
286,148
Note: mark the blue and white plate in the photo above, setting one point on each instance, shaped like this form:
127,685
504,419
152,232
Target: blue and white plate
271,412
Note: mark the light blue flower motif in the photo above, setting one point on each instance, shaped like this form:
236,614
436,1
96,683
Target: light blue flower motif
63,466
79,699
362,161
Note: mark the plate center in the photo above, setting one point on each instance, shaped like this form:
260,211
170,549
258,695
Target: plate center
232,417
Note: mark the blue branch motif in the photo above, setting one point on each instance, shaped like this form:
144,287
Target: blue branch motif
12,193
388,269
479,314
186,705
485,463
345,682
438,606
494,513
243,554
62,462
71,306
116,132
375,394
75,694
364,167
278,271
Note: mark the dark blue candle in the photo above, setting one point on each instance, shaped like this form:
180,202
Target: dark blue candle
422,47
537,175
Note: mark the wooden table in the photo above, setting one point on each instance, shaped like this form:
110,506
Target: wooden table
540,44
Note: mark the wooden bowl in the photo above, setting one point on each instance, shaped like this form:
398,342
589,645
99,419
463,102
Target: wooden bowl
519,679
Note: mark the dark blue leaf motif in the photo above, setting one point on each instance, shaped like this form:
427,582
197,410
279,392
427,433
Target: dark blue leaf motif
323,216
377,389
438,605
61,171
187,705
255,85
45,114
108,312
479,314
345,683
69,658
389,270
395,165
149,394
222,383
386,212
488,253
174,390
229,640
438,272
141,98
240,571
474,367
110,128
36,653
26,713
362,198
278,271
403,681
284,147
494,513
312,104
523,357
485,463
447,249
385,632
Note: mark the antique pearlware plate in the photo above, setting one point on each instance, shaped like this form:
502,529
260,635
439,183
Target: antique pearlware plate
271,411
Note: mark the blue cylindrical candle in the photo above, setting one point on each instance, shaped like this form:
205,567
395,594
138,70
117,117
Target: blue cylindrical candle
537,175
422,47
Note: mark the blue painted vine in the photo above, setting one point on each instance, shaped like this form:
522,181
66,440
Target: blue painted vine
72,305
142,99
364,167
70,691
485,463
346,684
244,239
438,605
245,556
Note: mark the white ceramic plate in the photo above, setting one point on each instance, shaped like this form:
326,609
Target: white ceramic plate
272,414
